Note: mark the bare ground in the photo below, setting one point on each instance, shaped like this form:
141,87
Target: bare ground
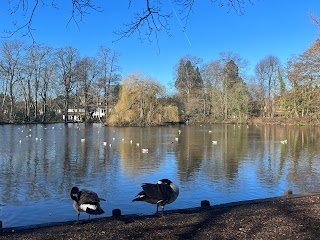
293,217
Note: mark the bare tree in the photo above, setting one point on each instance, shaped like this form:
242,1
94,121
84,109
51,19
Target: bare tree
36,57
108,61
67,58
86,73
303,73
47,81
224,85
212,74
148,22
12,53
266,71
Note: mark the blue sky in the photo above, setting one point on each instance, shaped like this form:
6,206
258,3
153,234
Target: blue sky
278,27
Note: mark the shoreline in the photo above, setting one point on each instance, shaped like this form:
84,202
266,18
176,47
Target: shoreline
214,220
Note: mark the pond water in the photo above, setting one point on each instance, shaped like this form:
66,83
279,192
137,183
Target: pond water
39,164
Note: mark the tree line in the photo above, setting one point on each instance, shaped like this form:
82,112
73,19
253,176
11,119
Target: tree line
39,83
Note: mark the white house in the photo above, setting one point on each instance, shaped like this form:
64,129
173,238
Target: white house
75,114
98,113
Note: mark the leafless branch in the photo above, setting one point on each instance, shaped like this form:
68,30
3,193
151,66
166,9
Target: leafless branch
185,11
80,8
315,19
236,5
152,18
23,4
146,23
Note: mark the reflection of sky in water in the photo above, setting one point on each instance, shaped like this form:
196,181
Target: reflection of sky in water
37,174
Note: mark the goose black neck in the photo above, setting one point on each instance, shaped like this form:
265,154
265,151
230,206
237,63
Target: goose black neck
73,197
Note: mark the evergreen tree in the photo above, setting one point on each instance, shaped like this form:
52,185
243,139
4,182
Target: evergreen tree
231,74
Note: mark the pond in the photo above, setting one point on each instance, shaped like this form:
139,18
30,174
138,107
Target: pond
39,164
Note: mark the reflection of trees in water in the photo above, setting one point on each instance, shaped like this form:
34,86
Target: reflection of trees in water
267,155
49,167
273,162
189,152
235,146
219,161
133,161
304,167
222,160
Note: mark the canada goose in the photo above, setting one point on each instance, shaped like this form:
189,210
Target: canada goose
162,193
86,201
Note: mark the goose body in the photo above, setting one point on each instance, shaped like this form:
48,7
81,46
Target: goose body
162,193
86,201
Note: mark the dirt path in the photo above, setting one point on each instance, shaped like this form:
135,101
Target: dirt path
294,217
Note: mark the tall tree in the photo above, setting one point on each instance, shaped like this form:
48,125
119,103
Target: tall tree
189,83
67,57
12,53
36,57
282,93
108,61
266,71
303,73
234,93
47,83
213,78
86,73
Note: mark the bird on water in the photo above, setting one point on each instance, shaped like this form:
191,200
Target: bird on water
86,201
162,193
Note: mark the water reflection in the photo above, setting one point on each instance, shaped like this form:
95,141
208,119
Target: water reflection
40,163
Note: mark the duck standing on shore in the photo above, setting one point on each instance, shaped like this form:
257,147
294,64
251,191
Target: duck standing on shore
162,193
86,201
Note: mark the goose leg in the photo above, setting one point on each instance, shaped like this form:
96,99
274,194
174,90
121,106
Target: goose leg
157,209
162,210
78,216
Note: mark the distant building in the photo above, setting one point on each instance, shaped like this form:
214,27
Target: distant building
98,113
75,115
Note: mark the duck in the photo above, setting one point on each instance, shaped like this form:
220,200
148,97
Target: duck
86,201
162,193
